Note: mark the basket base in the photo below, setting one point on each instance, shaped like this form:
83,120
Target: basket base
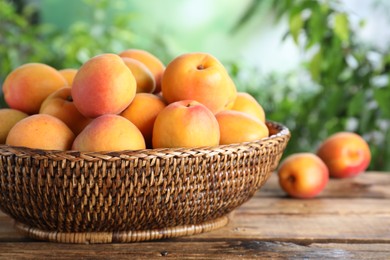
121,236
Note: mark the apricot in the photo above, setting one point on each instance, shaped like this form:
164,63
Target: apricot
142,112
8,118
346,154
153,63
103,85
200,77
144,78
41,131
246,103
27,86
303,175
185,123
60,104
68,75
238,127
109,133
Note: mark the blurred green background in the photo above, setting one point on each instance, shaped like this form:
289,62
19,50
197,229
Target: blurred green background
318,67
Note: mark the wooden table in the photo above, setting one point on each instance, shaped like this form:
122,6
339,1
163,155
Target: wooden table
349,220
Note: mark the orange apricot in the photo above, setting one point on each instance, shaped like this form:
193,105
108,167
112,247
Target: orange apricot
41,131
248,104
238,127
153,63
142,112
27,86
8,118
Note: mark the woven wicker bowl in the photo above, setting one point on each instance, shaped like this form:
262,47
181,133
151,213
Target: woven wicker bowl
132,196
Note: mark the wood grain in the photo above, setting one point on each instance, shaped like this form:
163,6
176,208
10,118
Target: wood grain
229,249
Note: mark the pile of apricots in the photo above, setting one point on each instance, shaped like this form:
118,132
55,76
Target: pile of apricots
128,101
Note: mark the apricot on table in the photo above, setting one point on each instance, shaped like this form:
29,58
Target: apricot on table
346,154
303,175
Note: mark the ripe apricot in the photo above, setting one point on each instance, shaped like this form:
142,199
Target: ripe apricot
142,112
200,77
8,118
42,132
185,123
69,75
60,104
238,127
153,63
246,103
109,133
303,175
27,86
144,78
346,154
103,85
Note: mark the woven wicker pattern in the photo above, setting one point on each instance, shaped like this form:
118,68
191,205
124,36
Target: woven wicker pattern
133,190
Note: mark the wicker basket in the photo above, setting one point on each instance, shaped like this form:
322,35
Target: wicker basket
129,196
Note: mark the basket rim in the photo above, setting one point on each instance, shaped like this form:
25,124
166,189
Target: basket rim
283,132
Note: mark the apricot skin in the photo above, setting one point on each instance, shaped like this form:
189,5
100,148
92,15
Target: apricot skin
142,112
345,153
303,175
200,77
153,63
185,123
238,127
109,133
41,131
26,87
246,103
60,104
103,85
8,118
69,75
144,78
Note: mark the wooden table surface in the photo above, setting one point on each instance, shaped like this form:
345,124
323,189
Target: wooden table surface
349,220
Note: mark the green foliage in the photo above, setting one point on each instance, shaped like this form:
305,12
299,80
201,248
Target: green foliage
19,40
84,40
352,87
23,42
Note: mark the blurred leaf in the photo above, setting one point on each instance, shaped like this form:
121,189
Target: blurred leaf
315,27
296,24
341,26
356,104
250,11
315,65
382,97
